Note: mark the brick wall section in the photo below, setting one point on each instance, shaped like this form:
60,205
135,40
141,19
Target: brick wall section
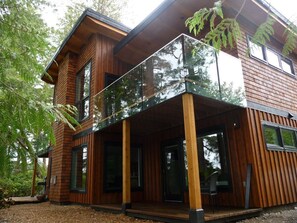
61,154
265,84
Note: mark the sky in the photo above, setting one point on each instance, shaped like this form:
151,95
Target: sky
139,9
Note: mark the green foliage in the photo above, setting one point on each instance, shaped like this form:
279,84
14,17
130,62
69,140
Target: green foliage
264,31
224,34
26,112
196,23
110,8
291,39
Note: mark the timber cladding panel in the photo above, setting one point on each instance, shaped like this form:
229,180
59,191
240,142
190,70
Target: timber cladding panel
86,197
265,84
276,170
61,151
99,50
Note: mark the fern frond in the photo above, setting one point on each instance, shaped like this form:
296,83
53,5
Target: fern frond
264,31
218,37
291,39
196,23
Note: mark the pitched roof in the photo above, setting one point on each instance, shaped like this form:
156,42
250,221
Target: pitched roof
88,23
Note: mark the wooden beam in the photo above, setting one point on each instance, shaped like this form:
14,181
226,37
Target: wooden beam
196,211
34,177
126,166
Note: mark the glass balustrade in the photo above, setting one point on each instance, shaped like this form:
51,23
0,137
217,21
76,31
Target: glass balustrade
183,65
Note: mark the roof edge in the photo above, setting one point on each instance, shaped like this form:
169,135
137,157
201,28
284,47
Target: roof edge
141,26
96,15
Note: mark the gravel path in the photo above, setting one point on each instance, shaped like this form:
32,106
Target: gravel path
49,213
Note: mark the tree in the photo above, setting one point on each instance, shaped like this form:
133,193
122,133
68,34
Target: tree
224,32
26,112
111,8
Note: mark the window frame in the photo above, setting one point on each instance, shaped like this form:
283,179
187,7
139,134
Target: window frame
211,131
79,103
279,128
265,60
75,150
119,189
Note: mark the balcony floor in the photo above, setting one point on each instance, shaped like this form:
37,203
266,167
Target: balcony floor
178,212
169,114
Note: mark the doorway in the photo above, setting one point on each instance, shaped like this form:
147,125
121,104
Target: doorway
172,163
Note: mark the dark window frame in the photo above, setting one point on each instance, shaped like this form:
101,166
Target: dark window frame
214,130
280,135
119,188
80,99
75,150
265,58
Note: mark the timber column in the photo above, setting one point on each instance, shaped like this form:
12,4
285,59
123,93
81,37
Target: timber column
126,166
196,212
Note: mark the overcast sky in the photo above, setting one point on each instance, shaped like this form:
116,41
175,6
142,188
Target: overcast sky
139,9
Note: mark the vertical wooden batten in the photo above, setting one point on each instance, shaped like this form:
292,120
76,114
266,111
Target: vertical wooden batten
34,177
196,212
126,166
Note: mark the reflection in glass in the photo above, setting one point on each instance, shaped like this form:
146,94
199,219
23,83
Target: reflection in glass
272,58
271,135
289,138
79,168
183,65
212,156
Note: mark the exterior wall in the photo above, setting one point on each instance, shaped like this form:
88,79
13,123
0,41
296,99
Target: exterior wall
61,154
239,150
99,50
275,170
99,195
265,84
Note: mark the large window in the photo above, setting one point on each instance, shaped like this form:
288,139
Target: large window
113,167
271,57
82,99
212,156
279,137
79,168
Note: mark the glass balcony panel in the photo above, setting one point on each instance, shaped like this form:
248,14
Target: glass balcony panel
162,74
201,68
185,64
231,79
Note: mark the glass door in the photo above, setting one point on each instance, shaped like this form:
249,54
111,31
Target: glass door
172,173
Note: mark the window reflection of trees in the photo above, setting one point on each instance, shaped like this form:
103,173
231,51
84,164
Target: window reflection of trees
183,65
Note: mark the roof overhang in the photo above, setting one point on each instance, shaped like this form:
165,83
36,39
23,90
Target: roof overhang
168,21
90,22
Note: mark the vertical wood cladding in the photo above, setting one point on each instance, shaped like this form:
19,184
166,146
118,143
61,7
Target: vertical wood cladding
276,170
99,50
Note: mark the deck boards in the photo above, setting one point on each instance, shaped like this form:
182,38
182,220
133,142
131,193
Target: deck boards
178,212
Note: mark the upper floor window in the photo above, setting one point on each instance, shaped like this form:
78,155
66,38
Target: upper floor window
271,57
79,168
279,137
82,98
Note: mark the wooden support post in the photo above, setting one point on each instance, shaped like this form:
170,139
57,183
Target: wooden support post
196,212
34,177
126,166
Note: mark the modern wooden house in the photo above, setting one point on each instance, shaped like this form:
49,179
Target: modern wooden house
157,120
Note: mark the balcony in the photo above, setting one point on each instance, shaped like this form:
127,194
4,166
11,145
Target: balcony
183,65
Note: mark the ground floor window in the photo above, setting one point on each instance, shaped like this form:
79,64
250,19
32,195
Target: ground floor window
113,167
279,137
212,156
79,168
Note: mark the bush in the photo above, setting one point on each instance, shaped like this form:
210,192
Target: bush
18,185
4,202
